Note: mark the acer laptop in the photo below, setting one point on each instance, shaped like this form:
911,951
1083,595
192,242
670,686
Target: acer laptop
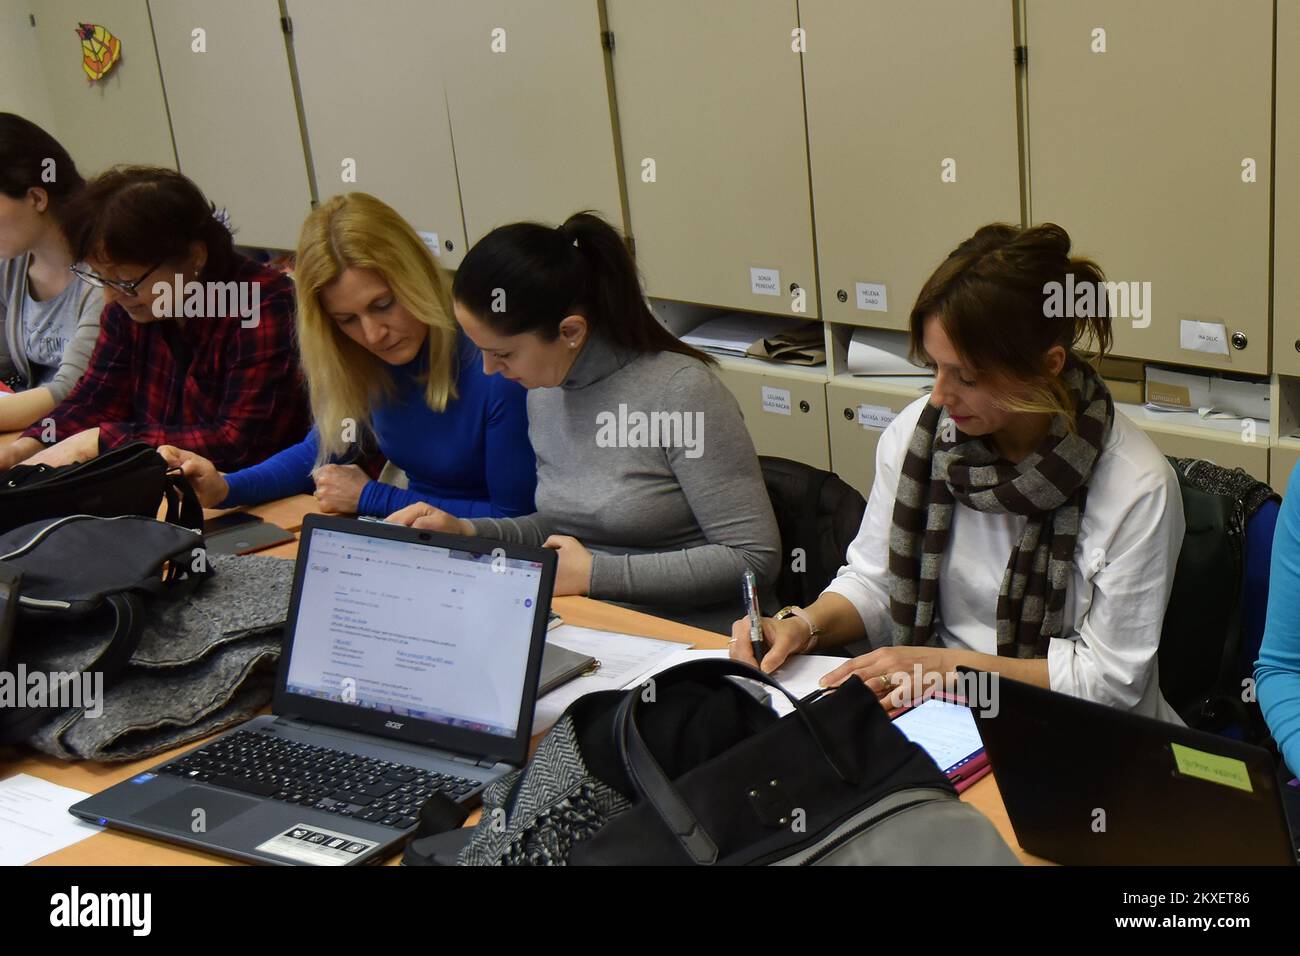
1088,784
410,666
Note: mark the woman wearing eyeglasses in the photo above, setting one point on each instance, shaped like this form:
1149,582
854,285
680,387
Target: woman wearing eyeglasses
215,373
48,320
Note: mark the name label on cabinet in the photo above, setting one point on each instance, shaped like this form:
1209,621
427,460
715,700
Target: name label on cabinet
876,416
765,281
431,240
1197,336
776,400
871,297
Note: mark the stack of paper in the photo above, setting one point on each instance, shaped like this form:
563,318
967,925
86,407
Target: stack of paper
734,332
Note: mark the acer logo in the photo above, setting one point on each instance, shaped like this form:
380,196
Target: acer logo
394,724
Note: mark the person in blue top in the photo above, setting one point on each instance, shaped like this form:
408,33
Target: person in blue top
390,376
1277,672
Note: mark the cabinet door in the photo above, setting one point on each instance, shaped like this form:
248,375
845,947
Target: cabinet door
234,115
1144,154
1286,195
711,94
910,153
121,118
22,88
1281,462
384,132
529,102
785,414
857,416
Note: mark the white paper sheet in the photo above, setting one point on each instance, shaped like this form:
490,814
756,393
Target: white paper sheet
880,352
623,660
799,674
34,819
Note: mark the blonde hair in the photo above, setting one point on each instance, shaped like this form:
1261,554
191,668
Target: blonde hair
345,380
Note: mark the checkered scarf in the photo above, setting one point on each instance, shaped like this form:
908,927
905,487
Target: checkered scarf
944,466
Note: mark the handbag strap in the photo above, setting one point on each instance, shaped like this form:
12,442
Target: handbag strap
183,507
649,778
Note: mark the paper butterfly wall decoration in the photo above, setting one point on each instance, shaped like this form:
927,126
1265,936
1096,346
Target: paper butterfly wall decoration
100,50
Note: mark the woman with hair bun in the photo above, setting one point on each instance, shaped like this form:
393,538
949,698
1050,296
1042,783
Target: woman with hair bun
1016,525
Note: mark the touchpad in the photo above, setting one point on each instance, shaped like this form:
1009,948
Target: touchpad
195,810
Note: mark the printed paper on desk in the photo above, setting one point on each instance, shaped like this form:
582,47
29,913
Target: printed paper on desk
34,819
1197,336
800,674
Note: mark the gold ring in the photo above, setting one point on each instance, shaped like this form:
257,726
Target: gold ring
886,679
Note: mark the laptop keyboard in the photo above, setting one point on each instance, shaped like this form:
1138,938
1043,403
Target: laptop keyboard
336,781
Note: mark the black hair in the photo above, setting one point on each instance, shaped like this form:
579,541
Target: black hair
526,277
31,158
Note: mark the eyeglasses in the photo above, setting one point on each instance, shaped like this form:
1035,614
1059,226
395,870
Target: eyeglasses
126,288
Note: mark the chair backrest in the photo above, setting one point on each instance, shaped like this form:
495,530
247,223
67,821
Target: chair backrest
818,514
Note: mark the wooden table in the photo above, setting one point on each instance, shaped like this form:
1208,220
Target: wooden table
114,848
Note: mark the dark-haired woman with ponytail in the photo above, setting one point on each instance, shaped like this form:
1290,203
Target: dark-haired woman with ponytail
196,346
1017,525
647,481
48,320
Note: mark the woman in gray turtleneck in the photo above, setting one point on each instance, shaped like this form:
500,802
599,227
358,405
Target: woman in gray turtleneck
647,481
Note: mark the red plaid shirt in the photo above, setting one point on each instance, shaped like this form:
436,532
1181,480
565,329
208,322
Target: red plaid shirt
240,400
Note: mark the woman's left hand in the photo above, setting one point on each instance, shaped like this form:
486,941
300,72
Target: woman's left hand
897,675
82,446
573,576
339,487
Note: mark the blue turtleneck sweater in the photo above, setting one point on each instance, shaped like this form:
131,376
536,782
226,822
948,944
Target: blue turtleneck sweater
473,460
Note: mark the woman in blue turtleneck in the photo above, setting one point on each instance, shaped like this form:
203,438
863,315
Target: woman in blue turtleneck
388,371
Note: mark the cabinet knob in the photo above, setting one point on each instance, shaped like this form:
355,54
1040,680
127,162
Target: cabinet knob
848,415
1238,340
841,295
805,407
794,287
450,245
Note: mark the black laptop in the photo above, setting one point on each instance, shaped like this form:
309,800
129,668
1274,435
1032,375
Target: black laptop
410,667
1087,784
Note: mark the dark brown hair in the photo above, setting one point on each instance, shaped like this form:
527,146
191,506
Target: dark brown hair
145,214
582,268
25,152
991,296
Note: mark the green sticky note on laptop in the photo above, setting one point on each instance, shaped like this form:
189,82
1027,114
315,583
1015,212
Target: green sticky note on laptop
1225,770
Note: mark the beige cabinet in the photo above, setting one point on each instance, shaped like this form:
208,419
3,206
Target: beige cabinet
857,415
530,110
913,142
1232,444
784,409
119,119
22,88
234,115
1146,154
1282,459
1286,195
710,104
381,131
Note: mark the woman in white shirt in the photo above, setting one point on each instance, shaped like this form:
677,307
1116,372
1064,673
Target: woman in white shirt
1016,525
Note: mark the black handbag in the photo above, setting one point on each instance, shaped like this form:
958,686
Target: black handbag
694,771
130,480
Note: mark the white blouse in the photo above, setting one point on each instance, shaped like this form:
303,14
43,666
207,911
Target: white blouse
1129,539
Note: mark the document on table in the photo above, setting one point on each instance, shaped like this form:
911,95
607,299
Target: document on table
624,660
799,674
34,819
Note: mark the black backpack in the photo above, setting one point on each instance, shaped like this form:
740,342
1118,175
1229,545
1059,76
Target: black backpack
74,592
1202,638
130,480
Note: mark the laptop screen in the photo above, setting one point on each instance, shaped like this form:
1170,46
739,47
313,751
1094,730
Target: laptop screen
414,630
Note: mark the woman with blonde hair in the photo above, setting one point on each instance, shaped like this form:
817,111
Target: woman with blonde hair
390,376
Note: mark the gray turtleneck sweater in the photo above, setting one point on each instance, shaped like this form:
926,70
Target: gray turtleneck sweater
645,459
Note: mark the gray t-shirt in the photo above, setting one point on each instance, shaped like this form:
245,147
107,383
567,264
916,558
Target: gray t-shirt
47,343
671,525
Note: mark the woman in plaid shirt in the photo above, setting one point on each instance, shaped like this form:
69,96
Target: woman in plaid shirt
196,342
